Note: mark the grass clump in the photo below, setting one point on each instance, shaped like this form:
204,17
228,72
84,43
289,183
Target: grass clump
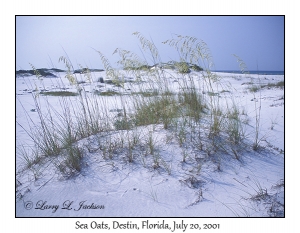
72,161
59,93
123,123
193,103
256,88
107,93
234,125
195,67
161,109
276,85
146,93
183,67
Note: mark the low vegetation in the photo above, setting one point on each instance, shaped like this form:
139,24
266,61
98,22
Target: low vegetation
59,93
192,114
256,88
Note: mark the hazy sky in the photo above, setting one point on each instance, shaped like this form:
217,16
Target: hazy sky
41,40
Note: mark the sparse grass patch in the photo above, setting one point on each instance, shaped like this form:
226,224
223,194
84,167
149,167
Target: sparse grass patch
234,125
225,91
192,102
124,123
59,93
70,161
73,157
28,156
107,93
276,85
146,93
212,93
260,193
254,88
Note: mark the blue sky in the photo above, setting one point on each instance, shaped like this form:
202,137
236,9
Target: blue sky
41,40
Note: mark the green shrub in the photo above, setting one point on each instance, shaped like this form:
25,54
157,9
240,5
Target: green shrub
195,67
183,67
